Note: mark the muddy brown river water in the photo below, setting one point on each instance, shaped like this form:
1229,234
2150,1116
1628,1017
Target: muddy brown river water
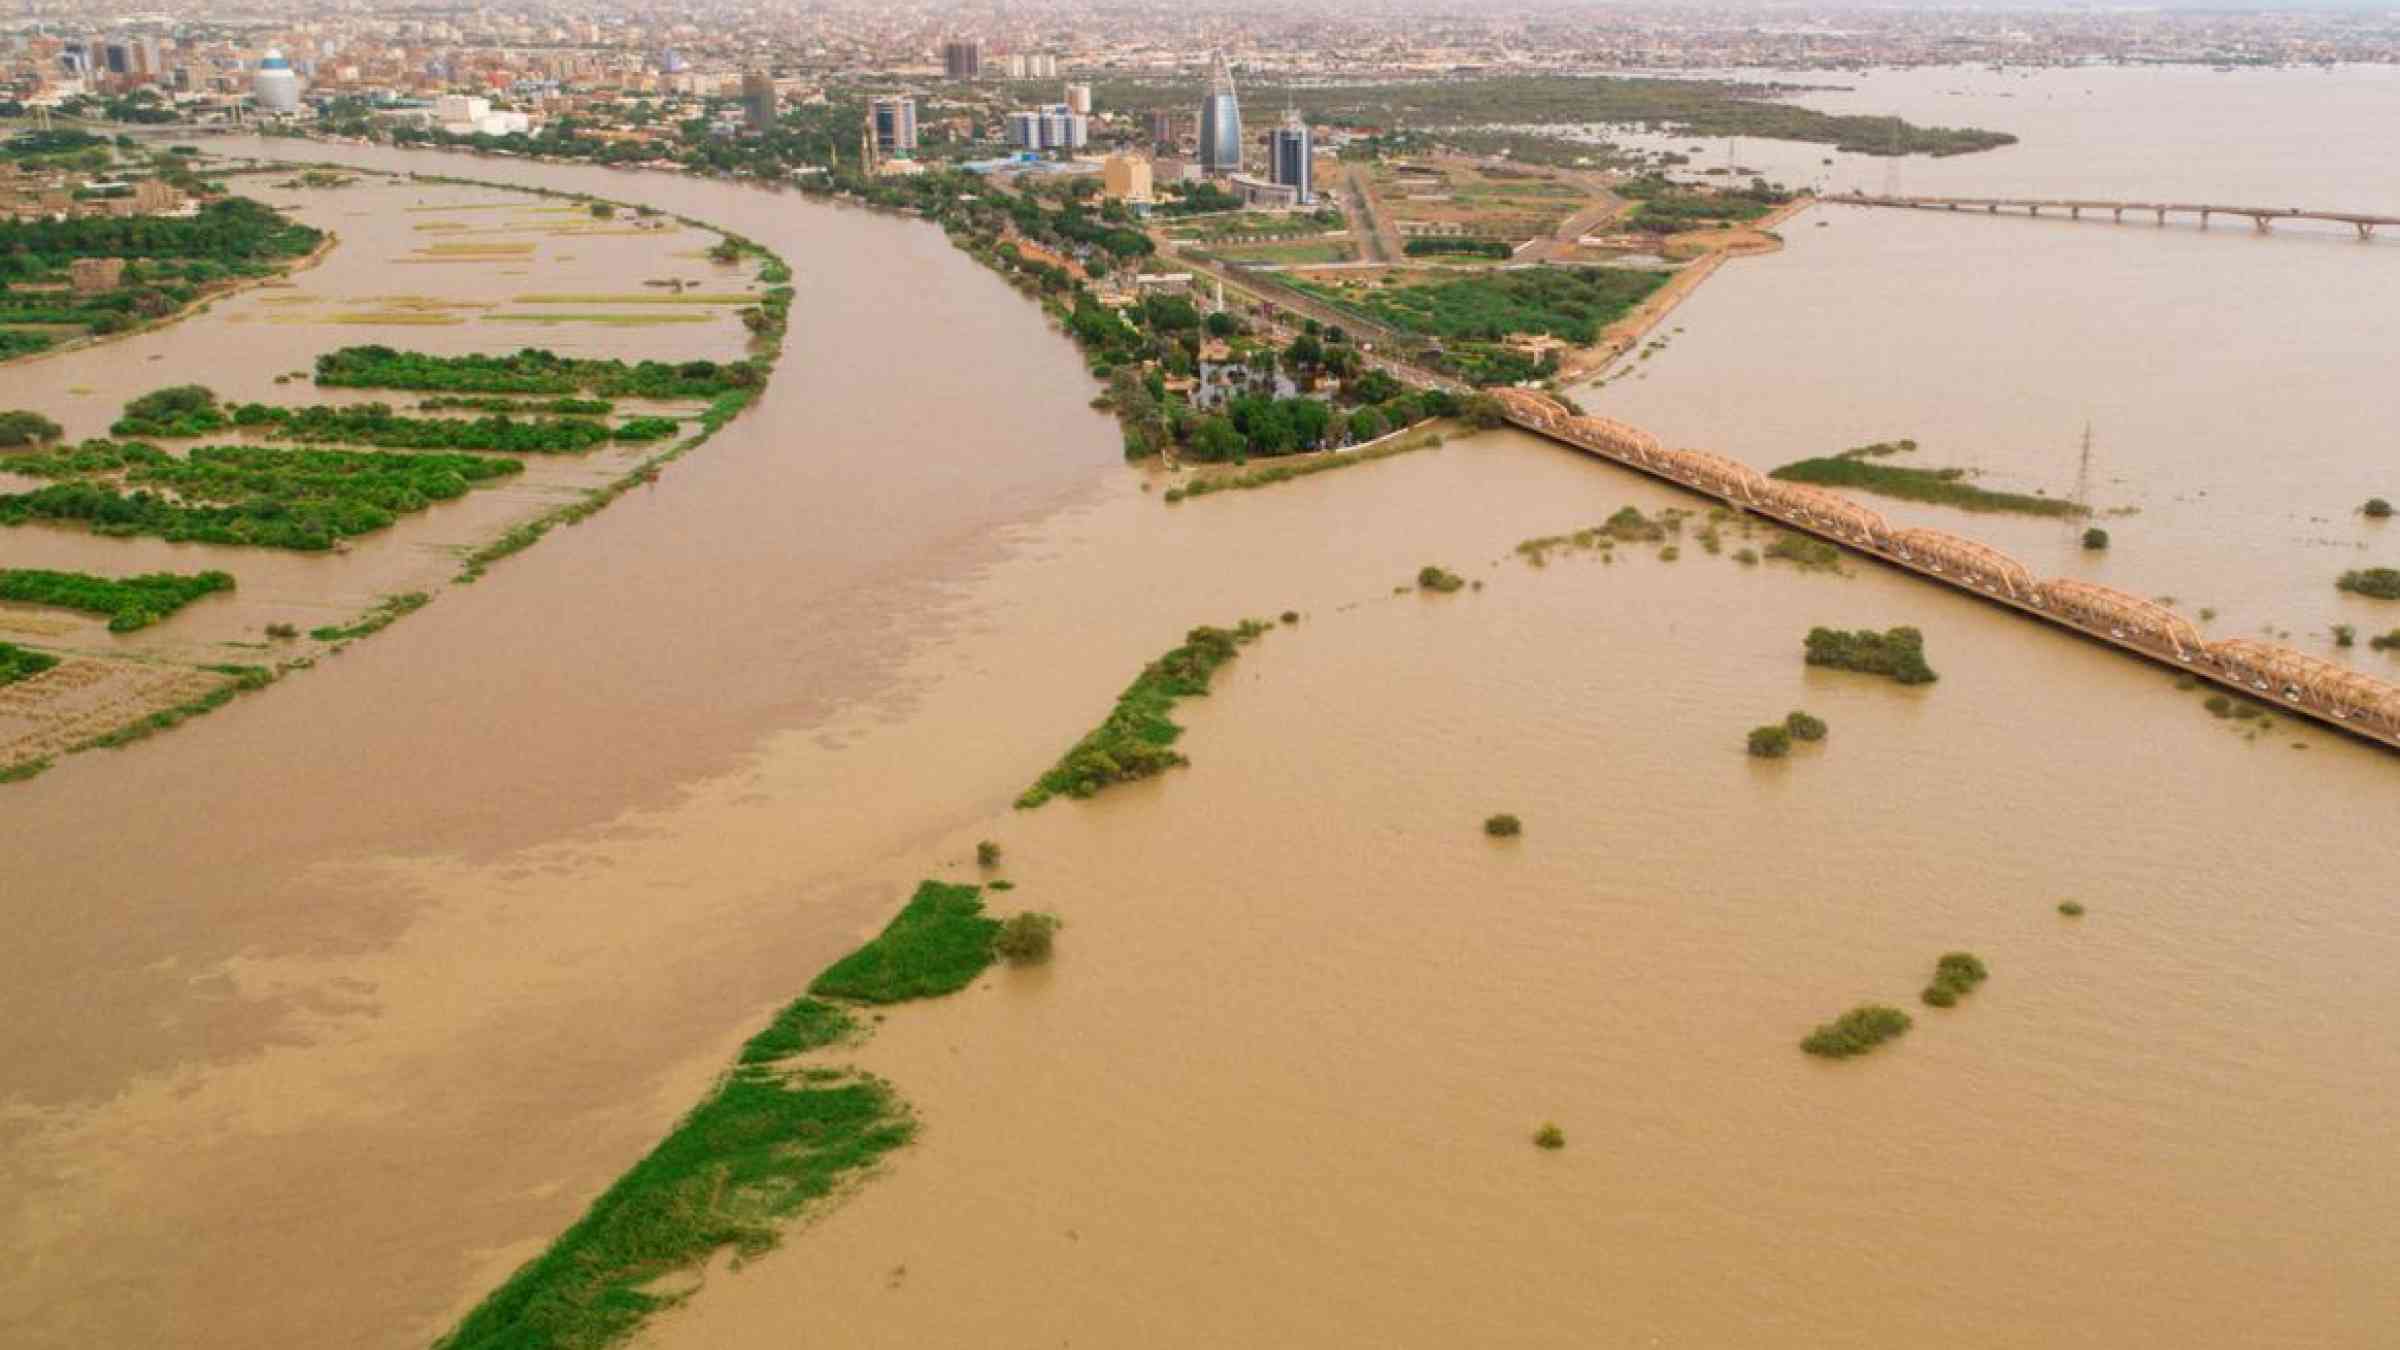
326,1010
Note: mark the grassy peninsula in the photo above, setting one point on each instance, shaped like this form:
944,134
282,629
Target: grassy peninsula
935,946
1138,739
17,663
1857,1031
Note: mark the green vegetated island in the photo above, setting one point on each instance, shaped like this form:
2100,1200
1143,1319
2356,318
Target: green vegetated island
189,411
1898,653
1138,739
1868,1025
1861,468
778,1133
129,602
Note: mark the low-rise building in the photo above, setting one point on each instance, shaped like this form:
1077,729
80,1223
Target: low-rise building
90,276
1125,178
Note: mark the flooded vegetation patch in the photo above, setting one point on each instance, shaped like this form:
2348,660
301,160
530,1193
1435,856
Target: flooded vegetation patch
608,320
762,1145
18,663
1939,487
244,680
1804,727
640,298
2382,583
1550,1136
1857,1031
1772,741
1439,580
804,1024
385,613
1955,976
1138,739
936,945
1026,939
130,602
20,428
1503,826
1806,553
1898,653
533,371
263,496
555,407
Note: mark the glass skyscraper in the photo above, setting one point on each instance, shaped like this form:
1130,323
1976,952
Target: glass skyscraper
1293,153
1221,123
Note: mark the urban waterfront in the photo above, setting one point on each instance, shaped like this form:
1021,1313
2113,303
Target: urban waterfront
509,885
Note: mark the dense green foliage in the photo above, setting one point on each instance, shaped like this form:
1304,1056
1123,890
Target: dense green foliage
936,945
2073,909
2376,509
1503,826
1772,741
1954,976
243,494
376,424
20,428
236,233
647,429
2383,583
1442,247
1805,552
532,371
1026,939
1857,1031
1550,1136
18,662
1899,653
1138,739
1804,727
131,603
1666,207
1432,578
1573,303
490,403
2095,539
1941,487
1699,108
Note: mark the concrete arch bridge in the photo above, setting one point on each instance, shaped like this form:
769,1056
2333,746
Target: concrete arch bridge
2263,217
2325,690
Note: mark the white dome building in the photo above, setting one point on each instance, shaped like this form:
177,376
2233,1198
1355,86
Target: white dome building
277,89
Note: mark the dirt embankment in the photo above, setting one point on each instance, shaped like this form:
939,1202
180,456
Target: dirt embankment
1708,250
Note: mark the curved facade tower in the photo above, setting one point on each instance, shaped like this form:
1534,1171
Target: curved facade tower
1221,123
276,89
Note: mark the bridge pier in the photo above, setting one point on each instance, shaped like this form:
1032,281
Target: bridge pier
2162,215
1993,209
2366,229
2034,207
2120,215
2075,212
2261,222
2205,213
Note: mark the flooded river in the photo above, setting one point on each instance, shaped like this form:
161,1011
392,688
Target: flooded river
328,1009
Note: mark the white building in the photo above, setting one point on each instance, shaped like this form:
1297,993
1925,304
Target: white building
275,89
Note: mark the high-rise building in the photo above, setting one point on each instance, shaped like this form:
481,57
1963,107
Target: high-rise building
1291,161
962,59
1221,122
1079,97
758,100
275,89
1055,127
895,117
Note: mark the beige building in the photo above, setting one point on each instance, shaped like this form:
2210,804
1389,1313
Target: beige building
94,275
1125,178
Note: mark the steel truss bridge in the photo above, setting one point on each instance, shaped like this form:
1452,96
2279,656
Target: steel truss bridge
2325,690
2264,217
